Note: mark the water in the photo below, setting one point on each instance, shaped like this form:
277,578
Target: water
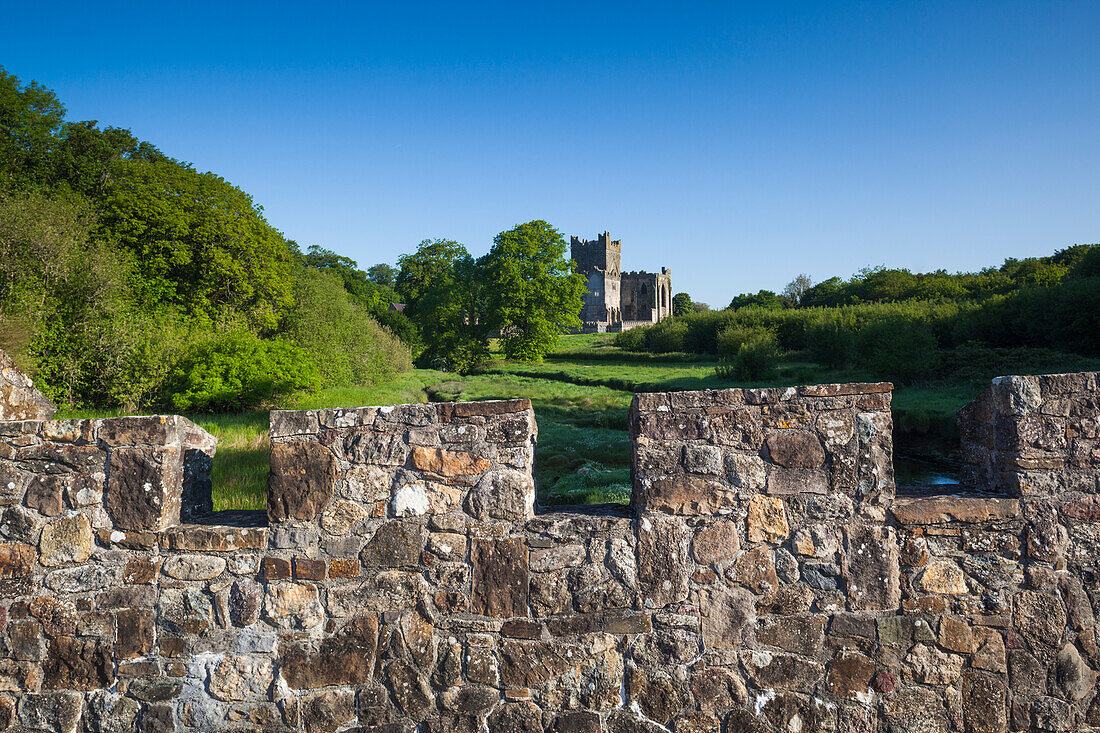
919,472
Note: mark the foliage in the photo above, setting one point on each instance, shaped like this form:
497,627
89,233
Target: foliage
762,299
30,116
632,339
831,344
731,339
532,294
238,370
797,288
382,274
667,336
449,308
345,343
899,350
682,305
758,357
433,260
726,370
117,262
197,242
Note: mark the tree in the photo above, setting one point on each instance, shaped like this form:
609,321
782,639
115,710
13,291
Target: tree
433,259
197,241
343,340
797,288
762,299
681,304
30,116
382,274
452,316
374,297
532,293
827,293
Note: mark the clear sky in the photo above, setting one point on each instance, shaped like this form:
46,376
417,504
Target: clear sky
736,143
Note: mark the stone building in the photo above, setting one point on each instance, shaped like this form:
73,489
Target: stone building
618,300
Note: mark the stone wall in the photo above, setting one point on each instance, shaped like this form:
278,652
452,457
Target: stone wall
766,578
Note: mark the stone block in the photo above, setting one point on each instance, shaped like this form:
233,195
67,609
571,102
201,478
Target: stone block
870,568
300,482
767,519
662,560
500,577
345,658
19,398
66,540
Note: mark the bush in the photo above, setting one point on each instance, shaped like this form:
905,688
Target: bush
666,336
345,343
726,370
758,357
730,340
236,371
831,344
899,351
631,340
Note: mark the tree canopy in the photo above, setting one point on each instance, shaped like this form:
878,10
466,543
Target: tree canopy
532,293
118,263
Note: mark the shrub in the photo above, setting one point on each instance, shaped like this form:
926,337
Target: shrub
898,350
236,371
730,340
831,344
666,336
346,344
758,357
726,370
631,340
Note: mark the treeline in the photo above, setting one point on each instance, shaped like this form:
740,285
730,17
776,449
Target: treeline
128,278
895,325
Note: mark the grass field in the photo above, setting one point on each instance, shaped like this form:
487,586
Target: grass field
581,394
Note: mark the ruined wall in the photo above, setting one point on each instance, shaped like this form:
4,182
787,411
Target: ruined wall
646,297
766,579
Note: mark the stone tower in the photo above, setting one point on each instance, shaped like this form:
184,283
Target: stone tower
599,260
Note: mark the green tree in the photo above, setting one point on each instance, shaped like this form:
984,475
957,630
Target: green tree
881,284
86,157
373,296
30,115
452,317
532,293
343,340
762,299
382,274
197,241
682,305
433,259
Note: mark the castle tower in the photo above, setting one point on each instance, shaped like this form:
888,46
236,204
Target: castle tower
599,260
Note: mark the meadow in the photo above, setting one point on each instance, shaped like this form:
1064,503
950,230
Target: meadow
581,395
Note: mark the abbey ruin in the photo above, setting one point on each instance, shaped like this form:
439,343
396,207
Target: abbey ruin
618,300
767,576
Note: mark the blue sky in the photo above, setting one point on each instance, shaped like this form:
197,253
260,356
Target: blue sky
736,143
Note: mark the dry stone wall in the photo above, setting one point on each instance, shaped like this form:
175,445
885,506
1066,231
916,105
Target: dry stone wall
766,578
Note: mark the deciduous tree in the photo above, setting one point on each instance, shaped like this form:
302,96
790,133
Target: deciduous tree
532,293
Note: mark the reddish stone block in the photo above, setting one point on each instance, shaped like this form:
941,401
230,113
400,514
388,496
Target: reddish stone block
307,569
275,568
